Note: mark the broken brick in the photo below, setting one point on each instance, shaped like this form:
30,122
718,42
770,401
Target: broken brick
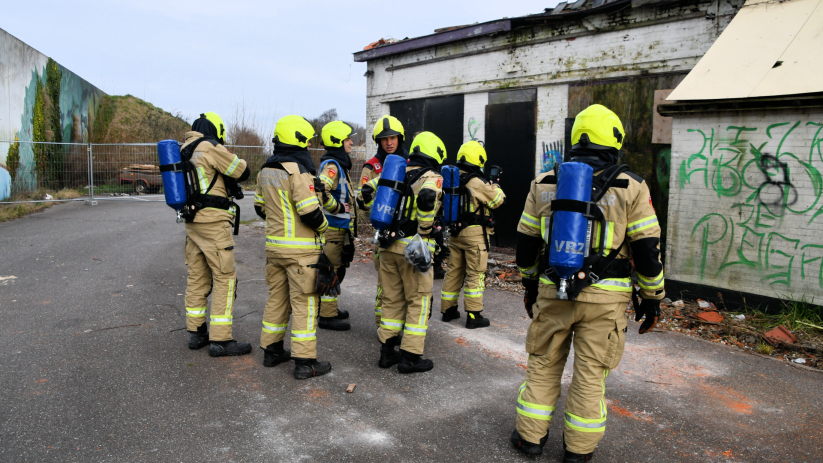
778,335
711,317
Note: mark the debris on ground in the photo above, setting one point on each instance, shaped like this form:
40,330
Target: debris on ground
757,332
351,387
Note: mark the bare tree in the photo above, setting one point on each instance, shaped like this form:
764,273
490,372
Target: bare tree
329,116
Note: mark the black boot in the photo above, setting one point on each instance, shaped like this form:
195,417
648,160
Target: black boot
476,320
309,368
334,323
413,363
274,354
199,338
451,314
571,457
229,348
389,356
342,314
527,447
439,273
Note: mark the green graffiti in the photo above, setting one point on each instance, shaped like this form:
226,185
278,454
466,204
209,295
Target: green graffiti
473,127
706,242
769,183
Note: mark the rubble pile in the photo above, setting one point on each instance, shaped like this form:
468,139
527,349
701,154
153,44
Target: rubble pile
750,332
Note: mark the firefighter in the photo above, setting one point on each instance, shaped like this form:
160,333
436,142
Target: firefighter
295,224
469,242
407,292
209,241
336,196
389,135
593,318
439,239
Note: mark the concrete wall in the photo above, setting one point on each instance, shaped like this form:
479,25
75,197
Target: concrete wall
745,207
21,66
637,41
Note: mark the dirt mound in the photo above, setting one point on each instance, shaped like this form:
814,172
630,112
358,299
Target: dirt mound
127,119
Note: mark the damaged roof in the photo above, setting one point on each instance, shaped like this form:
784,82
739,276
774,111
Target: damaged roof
563,11
769,49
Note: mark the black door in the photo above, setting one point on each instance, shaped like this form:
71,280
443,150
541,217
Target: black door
442,116
510,144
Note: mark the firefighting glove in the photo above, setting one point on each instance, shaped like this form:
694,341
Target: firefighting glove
260,211
348,254
320,187
326,282
341,273
530,297
650,308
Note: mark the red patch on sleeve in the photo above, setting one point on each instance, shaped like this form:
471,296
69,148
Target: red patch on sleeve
332,173
311,188
650,201
439,182
364,180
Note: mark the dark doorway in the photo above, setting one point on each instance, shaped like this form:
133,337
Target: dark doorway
510,144
442,116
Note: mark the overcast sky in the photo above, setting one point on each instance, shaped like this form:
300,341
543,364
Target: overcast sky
195,56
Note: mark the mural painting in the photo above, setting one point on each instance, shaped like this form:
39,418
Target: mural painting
43,102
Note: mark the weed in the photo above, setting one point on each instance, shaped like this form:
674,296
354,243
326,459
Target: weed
764,348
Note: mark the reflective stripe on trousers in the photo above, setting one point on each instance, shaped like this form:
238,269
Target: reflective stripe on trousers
538,412
581,424
196,311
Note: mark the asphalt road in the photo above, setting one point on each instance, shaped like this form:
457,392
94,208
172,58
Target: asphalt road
95,367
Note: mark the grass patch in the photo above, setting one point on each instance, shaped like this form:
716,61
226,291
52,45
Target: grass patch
796,315
15,211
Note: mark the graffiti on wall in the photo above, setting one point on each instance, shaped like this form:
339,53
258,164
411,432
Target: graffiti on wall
768,182
552,154
473,126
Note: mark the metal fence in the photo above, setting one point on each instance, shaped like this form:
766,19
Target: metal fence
44,171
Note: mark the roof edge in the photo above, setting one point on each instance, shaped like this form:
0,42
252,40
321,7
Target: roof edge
797,101
476,30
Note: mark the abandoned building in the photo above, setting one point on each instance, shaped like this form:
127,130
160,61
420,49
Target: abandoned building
517,83
746,161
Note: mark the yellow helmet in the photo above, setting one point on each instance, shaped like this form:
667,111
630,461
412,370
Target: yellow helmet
293,130
217,122
597,127
472,153
388,126
429,144
335,132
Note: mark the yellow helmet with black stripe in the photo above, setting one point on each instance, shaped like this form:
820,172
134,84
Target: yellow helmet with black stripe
472,153
217,122
597,127
334,133
429,144
293,130
388,126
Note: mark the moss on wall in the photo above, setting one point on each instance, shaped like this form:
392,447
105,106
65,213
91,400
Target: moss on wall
632,100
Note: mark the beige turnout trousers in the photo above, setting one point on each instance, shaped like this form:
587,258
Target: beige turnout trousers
378,299
407,297
598,333
334,251
210,263
291,292
467,263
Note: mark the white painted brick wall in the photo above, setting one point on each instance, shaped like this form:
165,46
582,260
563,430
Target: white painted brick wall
737,225
474,114
550,66
552,108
